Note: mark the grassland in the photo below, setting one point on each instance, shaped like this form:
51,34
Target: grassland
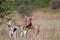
49,26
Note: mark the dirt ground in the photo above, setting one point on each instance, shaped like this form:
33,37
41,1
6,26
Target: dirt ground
49,27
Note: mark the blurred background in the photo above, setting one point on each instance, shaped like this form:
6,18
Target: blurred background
44,12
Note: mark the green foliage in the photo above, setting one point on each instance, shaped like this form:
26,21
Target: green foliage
25,7
40,3
25,11
44,3
6,5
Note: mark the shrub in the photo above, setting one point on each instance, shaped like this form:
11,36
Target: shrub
25,7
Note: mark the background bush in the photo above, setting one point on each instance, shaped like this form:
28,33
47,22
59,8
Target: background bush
25,7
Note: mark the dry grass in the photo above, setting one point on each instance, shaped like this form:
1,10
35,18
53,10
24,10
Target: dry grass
49,27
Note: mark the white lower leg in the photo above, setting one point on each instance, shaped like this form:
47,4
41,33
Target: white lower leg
10,34
14,35
25,33
21,34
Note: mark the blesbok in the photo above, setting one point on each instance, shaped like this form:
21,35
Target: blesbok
26,23
30,25
14,25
